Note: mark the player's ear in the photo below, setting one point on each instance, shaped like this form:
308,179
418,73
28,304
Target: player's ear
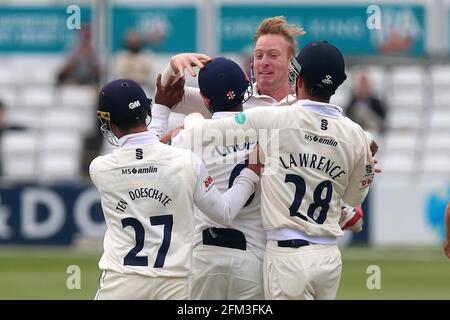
298,85
252,74
207,103
150,104
300,80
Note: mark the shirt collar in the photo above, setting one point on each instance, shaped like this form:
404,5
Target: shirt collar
258,95
223,114
321,107
140,138
289,99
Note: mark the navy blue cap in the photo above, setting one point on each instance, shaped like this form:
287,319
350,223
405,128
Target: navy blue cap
222,83
124,100
322,66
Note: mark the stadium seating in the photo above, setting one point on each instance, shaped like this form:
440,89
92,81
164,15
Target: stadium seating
56,165
18,151
82,97
407,76
404,119
440,75
37,96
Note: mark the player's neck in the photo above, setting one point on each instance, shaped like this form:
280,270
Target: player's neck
237,108
124,132
304,95
318,99
278,94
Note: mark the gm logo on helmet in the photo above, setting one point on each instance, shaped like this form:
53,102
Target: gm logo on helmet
134,104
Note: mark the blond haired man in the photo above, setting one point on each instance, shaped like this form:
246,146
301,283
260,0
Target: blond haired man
275,43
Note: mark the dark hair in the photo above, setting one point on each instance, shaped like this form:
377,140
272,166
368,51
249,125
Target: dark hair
128,124
228,107
315,91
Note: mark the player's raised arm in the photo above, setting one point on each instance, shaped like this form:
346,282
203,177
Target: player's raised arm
223,208
165,98
192,100
249,124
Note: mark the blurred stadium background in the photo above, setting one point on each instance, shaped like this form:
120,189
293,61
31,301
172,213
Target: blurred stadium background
50,216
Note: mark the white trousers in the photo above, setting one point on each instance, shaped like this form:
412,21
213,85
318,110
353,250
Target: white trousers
118,286
305,273
220,273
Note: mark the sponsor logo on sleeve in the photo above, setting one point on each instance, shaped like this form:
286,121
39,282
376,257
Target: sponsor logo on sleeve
366,181
368,177
208,183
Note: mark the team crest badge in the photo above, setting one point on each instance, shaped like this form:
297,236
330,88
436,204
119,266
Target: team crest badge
327,79
231,95
240,118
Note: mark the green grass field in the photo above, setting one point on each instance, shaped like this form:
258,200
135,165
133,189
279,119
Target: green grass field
40,273
422,273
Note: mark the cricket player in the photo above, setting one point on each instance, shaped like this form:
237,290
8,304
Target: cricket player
227,261
316,157
148,191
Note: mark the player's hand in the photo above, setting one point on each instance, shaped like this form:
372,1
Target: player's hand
373,148
447,248
169,135
376,170
254,160
169,95
187,61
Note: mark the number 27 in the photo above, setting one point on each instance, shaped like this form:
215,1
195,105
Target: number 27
131,259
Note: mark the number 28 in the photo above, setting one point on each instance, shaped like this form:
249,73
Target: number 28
319,203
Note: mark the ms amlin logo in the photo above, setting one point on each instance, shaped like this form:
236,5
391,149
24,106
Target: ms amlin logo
436,203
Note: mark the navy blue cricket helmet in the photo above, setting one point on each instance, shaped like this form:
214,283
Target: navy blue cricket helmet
122,102
223,84
322,65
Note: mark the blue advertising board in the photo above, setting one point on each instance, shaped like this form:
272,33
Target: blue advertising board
54,214
163,29
39,29
401,28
